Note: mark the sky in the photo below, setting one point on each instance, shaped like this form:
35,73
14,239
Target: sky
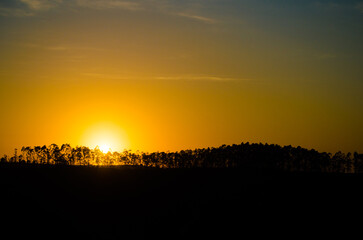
166,75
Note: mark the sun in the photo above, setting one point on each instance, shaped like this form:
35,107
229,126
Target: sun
105,148
107,136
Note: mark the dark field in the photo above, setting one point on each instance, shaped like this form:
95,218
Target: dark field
54,202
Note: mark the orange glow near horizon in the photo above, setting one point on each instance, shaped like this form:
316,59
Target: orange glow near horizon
105,135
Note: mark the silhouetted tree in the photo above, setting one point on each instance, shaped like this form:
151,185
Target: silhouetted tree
4,159
244,155
26,153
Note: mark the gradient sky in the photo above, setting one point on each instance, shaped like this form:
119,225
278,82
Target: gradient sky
169,75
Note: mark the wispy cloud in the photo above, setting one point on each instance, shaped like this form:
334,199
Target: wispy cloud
200,78
16,12
207,78
58,47
45,47
192,10
29,7
197,17
106,76
41,4
165,7
109,4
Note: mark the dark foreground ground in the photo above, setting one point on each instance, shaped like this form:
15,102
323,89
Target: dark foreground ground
50,202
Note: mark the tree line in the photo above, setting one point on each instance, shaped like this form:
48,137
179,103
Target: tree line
244,155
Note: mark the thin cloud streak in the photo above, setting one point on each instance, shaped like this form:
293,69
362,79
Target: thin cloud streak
197,17
200,78
45,47
30,8
15,12
167,78
33,7
109,4
41,4
58,47
105,76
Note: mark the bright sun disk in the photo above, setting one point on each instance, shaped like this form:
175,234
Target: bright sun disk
105,148
106,135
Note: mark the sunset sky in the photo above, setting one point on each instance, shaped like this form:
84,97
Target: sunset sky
158,75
